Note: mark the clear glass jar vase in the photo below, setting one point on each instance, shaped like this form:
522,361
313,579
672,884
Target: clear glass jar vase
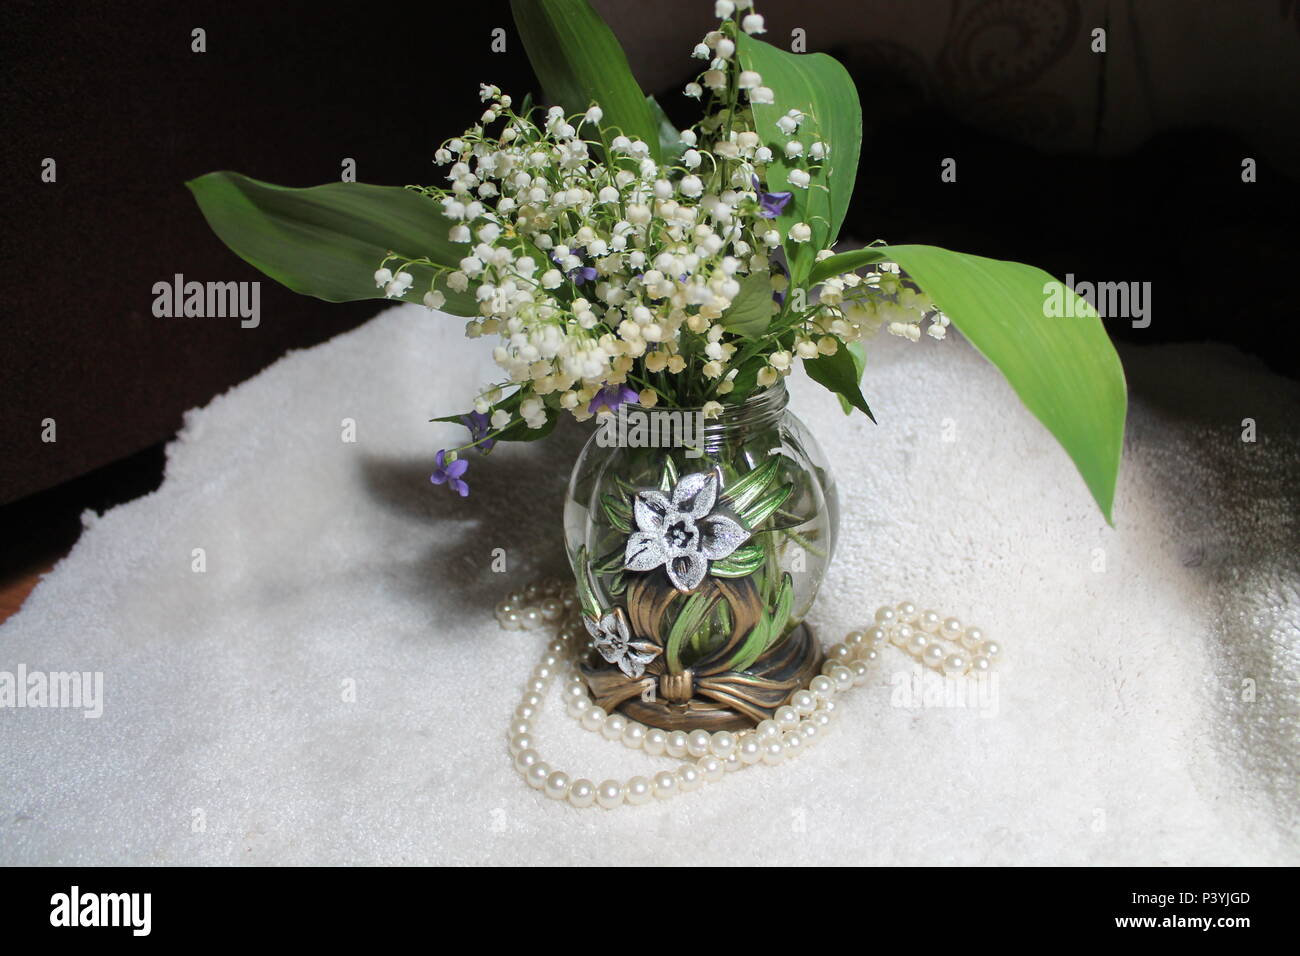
698,548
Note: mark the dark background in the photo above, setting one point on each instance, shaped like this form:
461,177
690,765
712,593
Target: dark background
1122,167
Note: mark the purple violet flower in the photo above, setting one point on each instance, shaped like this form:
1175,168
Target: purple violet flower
479,427
611,397
580,274
771,204
450,472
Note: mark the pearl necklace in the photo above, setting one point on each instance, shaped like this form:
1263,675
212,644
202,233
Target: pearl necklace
941,644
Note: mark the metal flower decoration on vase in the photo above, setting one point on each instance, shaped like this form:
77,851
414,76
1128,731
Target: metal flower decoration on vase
681,532
612,639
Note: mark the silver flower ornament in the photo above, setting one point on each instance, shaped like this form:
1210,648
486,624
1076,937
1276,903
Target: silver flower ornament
615,644
681,532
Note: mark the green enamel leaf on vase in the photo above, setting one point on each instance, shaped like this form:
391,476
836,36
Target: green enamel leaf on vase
327,241
818,86
1062,366
579,62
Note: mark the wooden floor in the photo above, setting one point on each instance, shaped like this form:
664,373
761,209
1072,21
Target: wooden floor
15,588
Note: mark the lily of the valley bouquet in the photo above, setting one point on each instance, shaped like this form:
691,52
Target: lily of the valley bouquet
610,258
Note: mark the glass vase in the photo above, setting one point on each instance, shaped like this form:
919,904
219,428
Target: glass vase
698,547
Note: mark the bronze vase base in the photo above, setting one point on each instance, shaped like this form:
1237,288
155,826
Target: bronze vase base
727,701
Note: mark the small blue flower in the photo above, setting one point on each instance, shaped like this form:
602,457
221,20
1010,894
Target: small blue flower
450,473
770,204
479,427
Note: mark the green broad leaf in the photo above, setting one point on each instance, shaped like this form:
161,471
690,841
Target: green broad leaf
579,62
740,563
818,86
582,576
765,507
840,373
616,514
744,490
671,146
327,241
688,621
1064,369
843,262
755,643
751,310
859,354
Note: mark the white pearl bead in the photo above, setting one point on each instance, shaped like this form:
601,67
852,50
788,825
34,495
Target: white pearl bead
535,686
609,794
929,621
979,664
638,791
519,743
792,742
557,785
676,744
886,615
689,778
515,597
582,793
711,768
842,676
504,608
665,784
861,672
903,635
524,712
906,610
577,706
950,629
827,707
518,726
551,609
543,673
732,764
786,717
767,728
990,649
531,619
613,726
593,718
656,742
698,742
536,774
750,750
822,719
855,639
822,687
803,701
954,665
809,729
773,752
837,652
512,621
573,692
875,636
933,655
532,700
722,744
972,638
634,735
526,759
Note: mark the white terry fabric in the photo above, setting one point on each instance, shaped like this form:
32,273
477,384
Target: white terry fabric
1123,731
